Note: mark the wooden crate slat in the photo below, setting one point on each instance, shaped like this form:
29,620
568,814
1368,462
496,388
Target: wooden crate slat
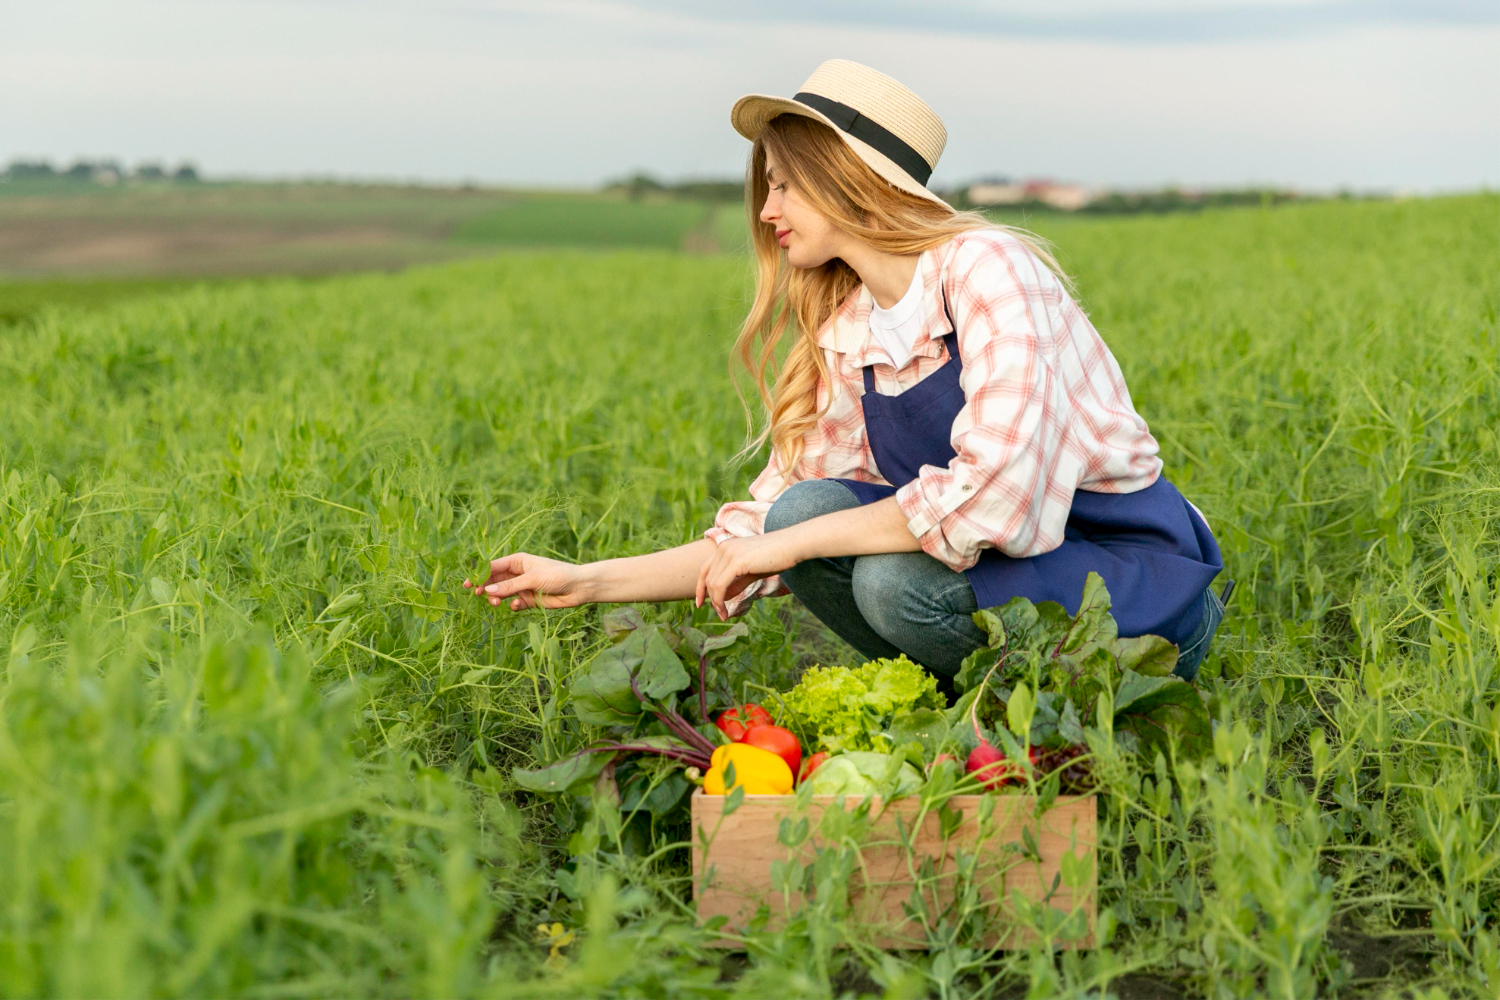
732,875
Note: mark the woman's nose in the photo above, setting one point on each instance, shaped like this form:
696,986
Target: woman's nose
768,213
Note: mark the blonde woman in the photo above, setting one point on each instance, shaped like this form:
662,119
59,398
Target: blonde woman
948,430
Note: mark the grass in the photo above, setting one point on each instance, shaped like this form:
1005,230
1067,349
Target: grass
587,220
20,300
253,741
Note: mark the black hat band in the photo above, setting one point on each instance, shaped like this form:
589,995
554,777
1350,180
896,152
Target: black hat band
871,133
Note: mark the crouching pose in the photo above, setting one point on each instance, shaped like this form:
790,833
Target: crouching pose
948,430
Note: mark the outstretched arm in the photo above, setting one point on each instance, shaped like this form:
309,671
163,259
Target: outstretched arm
529,581
703,569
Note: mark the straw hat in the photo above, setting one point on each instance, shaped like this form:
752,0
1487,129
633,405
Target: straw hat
888,126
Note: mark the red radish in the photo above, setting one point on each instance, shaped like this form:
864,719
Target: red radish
940,758
992,768
989,765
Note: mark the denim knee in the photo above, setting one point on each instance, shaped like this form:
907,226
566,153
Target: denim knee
1195,647
808,499
919,605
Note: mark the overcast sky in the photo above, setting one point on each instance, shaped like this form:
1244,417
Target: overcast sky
1313,93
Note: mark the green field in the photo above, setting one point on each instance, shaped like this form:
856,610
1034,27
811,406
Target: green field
255,741
58,230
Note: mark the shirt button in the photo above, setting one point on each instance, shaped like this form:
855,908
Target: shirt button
966,487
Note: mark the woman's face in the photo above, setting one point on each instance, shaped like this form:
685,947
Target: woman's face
808,237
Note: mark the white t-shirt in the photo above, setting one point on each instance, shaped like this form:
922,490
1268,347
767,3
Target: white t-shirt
896,329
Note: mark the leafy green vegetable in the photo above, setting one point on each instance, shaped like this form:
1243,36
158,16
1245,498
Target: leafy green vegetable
569,774
1155,710
926,727
630,689
862,772
1045,673
850,708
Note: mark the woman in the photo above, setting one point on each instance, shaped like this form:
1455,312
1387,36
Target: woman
957,431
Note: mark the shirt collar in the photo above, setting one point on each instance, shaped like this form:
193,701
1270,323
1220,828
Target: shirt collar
848,331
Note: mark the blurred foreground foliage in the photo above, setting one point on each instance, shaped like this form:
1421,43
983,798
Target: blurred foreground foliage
255,741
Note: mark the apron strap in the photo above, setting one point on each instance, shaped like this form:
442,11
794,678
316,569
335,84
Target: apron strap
950,340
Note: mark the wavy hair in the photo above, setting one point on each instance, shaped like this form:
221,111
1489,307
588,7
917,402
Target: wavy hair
832,179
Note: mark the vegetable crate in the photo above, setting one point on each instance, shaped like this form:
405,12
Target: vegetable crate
1048,859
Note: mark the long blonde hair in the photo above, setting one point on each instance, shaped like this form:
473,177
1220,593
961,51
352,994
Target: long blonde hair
858,201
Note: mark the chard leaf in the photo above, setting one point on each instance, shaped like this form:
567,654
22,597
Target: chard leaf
1133,687
1157,711
602,696
1082,678
1044,718
1053,622
595,708
575,773
622,621
1024,628
1069,726
725,639
656,797
976,665
1147,655
993,627
1093,625
660,672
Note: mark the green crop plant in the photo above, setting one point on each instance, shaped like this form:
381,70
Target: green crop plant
255,740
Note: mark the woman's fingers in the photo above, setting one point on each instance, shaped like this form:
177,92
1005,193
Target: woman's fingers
511,587
498,567
718,584
701,590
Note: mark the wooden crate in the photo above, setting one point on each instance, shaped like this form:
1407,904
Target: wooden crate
733,857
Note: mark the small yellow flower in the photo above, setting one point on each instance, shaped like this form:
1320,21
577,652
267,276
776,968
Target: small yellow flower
557,936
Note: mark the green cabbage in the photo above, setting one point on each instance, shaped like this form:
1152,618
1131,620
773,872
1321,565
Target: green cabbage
849,708
861,773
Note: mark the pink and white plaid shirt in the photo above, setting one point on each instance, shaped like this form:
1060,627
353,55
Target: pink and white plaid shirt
1047,411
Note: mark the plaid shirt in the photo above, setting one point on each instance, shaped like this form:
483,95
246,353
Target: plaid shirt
1046,411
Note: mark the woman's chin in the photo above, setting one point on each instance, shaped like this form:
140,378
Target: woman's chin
803,260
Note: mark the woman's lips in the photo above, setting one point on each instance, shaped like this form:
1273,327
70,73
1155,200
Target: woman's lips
781,235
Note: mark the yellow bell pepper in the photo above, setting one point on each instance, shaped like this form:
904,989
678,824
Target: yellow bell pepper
760,772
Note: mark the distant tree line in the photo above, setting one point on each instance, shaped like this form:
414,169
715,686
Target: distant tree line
1098,201
1106,201
1176,200
106,171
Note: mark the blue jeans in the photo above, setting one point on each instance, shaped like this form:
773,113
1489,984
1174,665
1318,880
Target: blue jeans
908,602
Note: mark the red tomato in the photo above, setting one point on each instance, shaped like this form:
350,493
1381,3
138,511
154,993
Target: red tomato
734,722
777,740
810,765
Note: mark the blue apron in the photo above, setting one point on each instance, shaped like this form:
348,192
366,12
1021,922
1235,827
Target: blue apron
1154,552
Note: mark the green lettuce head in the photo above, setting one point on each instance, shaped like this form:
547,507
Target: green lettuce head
849,708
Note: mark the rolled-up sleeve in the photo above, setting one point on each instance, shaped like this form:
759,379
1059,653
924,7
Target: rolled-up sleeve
1006,439
743,519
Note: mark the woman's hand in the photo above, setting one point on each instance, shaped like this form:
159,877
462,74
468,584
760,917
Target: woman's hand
532,582
738,562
